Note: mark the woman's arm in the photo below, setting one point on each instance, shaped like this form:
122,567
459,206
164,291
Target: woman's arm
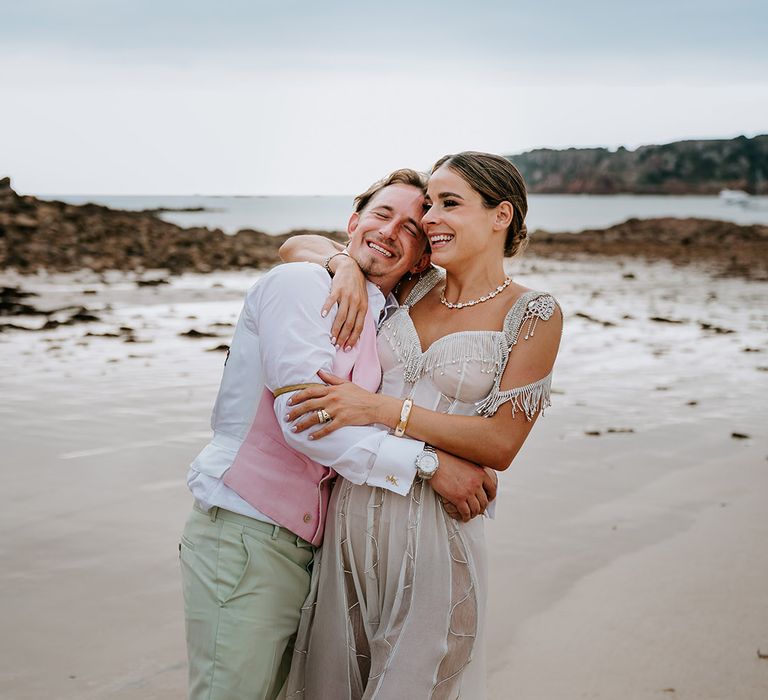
309,248
348,289
493,441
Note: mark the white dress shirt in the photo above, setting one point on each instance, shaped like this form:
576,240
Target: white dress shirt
281,339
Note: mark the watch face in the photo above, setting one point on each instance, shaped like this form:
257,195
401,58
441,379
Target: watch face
427,462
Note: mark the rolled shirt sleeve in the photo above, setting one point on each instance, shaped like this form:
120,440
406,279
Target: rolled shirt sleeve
285,310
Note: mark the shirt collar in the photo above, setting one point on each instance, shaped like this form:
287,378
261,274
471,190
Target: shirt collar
381,308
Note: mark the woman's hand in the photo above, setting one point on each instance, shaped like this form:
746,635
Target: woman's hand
346,403
349,291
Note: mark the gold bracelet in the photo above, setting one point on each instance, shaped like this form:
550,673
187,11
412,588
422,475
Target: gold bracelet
405,414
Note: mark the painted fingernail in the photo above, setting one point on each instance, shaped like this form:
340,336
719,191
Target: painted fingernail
293,428
323,313
309,437
348,348
287,417
337,346
333,340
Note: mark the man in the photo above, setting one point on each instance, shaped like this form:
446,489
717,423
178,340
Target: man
261,491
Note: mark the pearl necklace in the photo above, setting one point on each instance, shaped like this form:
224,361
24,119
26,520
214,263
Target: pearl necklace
485,297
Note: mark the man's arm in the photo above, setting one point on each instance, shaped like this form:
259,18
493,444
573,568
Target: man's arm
294,338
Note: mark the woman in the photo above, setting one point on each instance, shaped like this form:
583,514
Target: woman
402,586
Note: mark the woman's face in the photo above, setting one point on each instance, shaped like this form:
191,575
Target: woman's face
457,223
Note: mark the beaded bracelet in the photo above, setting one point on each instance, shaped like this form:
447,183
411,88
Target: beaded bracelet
327,262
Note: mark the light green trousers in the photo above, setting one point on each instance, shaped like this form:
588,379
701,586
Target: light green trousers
244,584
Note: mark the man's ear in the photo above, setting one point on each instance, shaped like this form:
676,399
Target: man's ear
504,214
421,265
354,220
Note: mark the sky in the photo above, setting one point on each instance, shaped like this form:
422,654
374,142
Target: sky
298,97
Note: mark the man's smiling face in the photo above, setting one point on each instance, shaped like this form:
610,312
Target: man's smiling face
386,238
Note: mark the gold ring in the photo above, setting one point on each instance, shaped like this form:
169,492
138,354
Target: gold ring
323,416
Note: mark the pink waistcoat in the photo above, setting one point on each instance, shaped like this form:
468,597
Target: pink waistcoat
281,482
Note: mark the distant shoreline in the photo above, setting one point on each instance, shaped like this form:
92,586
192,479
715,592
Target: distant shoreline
57,236
704,167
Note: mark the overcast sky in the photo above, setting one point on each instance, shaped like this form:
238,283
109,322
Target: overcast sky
299,97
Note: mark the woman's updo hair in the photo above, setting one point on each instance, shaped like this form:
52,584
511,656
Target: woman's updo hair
496,180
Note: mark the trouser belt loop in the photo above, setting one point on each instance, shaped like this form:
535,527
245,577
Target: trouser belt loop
275,531
213,513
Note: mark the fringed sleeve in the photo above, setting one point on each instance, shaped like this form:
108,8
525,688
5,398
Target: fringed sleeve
534,397
530,399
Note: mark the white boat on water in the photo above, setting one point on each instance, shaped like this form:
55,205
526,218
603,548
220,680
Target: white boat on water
734,197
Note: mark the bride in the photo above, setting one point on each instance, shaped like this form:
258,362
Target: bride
399,598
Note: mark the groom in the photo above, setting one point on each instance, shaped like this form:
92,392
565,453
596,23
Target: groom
261,491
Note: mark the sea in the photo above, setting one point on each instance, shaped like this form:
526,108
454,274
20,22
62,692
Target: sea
553,212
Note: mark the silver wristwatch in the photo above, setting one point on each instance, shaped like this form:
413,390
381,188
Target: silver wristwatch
427,462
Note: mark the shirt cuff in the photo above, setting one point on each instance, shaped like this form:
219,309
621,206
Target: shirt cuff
394,468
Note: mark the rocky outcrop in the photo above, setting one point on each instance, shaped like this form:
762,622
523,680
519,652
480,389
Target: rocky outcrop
724,247
36,234
683,167
55,236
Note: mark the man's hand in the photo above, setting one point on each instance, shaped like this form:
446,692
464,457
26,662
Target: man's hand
490,486
462,485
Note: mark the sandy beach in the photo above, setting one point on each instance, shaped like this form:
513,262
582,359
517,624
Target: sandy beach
628,556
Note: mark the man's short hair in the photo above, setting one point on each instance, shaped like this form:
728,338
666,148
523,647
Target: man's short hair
403,176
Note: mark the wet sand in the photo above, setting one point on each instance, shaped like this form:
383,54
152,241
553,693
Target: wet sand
629,554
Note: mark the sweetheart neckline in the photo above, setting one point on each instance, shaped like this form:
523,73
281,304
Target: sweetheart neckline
417,338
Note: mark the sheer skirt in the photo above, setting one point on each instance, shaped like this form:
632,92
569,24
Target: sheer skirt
397,602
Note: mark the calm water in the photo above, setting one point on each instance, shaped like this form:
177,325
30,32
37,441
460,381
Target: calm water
549,212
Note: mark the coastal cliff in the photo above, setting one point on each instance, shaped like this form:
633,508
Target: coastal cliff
683,167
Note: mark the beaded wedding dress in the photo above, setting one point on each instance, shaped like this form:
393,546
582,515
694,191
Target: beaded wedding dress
396,610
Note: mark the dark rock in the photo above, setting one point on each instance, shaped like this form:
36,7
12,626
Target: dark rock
193,333
715,329
151,283
83,316
587,317
662,319
50,235
14,327
11,303
660,239
740,436
162,210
